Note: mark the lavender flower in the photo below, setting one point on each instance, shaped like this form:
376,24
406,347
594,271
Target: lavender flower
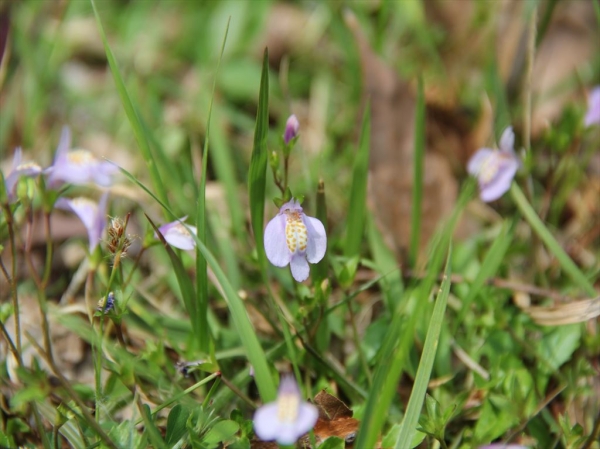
177,235
92,214
19,169
293,238
592,117
286,419
495,169
78,166
291,129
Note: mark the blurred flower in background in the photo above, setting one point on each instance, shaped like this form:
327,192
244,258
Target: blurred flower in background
295,239
78,166
495,169
19,169
592,117
292,126
92,214
288,418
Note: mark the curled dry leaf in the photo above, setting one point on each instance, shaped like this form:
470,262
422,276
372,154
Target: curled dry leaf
561,314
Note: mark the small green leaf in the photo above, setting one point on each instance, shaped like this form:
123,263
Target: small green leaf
176,428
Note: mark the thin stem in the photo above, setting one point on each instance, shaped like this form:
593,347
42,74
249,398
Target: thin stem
49,251
13,276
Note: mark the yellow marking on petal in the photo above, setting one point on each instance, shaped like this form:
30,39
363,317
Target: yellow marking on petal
295,232
489,168
27,165
180,229
81,157
287,407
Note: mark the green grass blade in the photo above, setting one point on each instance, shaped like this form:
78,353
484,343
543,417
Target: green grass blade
130,111
201,268
538,226
358,195
489,266
417,191
320,269
415,403
254,351
257,175
153,432
394,353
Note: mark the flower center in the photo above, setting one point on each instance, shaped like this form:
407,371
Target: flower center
80,157
180,229
28,165
287,407
296,234
489,168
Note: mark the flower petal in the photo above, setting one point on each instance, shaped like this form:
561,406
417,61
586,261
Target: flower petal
266,423
501,182
307,417
276,247
317,239
176,234
592,115
507,140
474,165
299,266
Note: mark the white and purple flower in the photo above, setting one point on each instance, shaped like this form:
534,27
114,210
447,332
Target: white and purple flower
495,169
19,169
292,126
293,238
592,117
78,166
178,235
92,214
286,419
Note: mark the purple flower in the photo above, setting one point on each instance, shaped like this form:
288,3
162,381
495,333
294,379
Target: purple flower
286,419
495,169
92,214
295,239
291,129
78,166
177,235
592,117
19,169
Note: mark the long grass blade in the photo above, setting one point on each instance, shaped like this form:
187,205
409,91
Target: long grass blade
358,195
131,112
417,191
257,175
201,309
415,403
542,231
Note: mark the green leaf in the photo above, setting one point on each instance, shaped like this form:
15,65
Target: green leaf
415,403
221,432
357,209
417,191
257,174
176,428
132,115
151,429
